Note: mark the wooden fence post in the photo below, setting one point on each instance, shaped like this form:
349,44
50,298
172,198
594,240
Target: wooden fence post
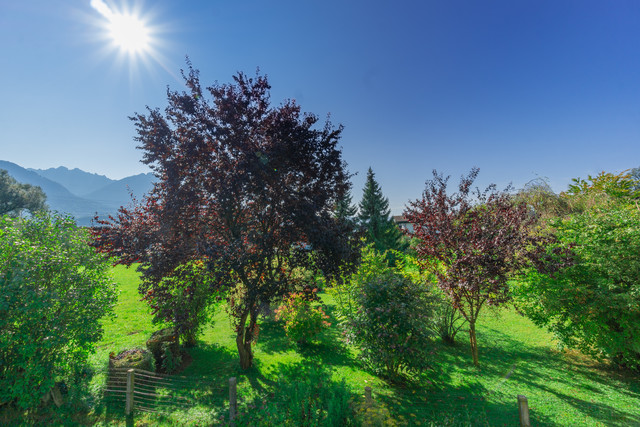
523,409
367,396
130,386
233,400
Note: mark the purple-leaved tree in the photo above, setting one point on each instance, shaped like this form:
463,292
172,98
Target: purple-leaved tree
243,185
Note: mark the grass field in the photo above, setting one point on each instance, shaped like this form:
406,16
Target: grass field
516,357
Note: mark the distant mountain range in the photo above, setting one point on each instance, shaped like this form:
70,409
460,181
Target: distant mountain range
82,194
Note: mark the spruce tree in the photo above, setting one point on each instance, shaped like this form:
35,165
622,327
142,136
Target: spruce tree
375,218
345,209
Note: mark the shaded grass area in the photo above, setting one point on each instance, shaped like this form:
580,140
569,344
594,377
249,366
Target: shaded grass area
516,357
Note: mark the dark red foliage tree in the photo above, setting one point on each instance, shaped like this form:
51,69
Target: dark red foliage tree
473,241
244,185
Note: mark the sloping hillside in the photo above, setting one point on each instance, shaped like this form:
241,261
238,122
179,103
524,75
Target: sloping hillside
105,197
77,181
118,193
58,197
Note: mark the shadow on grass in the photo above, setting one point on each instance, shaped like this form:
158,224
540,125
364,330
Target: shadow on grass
513,367
328,348
329,351
302,393
273,339
466,405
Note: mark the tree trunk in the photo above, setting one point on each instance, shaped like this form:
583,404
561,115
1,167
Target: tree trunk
244,338
474,344
190,339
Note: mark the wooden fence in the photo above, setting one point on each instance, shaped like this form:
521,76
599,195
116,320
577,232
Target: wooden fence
140,390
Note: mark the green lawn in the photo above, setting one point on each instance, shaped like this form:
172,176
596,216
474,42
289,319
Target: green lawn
516,357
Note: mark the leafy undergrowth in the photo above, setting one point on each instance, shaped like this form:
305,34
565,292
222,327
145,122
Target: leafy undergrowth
516,358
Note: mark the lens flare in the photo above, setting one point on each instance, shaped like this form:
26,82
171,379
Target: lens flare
127,31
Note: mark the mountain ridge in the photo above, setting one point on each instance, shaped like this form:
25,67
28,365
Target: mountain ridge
101,197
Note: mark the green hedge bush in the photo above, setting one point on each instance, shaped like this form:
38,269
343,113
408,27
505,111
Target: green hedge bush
54,289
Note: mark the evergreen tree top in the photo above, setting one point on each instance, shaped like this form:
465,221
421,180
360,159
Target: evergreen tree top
373,206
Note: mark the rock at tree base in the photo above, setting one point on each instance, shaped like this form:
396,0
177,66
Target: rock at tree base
158,338
136,358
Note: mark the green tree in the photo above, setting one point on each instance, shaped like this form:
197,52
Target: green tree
344,209
16,196
594,303
375,218
54,290
604,188
184,297
542,201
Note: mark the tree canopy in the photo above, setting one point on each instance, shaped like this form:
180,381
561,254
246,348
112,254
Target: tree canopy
246,186
375,217
473,241
592,303
16,196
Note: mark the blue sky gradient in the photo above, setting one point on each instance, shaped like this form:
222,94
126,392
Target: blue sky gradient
521,89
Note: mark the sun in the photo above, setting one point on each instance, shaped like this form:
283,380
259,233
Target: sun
129,33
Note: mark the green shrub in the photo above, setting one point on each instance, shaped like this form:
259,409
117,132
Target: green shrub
184,299
345,291
54,291
594,303
302,321
164,346
305,395
447,321
171,359
392,323
376,414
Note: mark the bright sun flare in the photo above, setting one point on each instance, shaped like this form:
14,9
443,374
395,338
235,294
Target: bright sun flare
129,33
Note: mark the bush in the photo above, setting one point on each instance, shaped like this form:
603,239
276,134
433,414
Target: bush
55,289
133,358
372,264
302,321
447,321
392,323
305,395
165,348
185,299
594,304
171,359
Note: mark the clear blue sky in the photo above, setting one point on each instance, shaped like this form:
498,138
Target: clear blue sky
521,89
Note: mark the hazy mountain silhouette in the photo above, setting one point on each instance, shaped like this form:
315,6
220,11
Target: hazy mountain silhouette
119,192
105,195
75,180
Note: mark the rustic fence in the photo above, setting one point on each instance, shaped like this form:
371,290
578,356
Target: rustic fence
140,390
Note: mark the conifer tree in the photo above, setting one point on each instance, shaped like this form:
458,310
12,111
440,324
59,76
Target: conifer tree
344,209
375,217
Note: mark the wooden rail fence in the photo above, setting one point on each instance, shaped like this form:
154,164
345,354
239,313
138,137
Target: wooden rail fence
150,392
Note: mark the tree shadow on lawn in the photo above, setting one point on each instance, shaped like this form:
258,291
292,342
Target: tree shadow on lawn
462,405
541,369
329,346
330,350
272,338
